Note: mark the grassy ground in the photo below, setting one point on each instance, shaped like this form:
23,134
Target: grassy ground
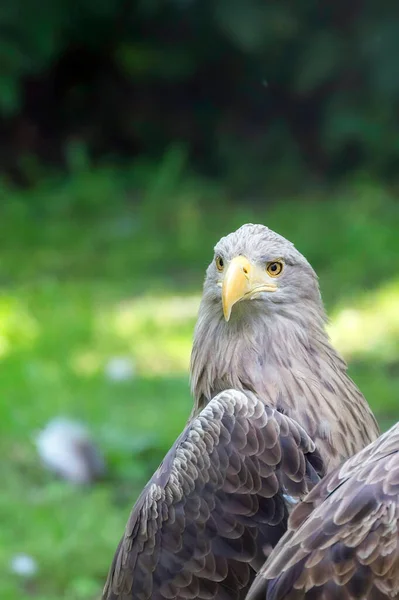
88,273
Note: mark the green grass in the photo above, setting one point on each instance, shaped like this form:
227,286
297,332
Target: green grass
89,272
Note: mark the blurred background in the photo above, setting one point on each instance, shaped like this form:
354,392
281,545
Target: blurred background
133,136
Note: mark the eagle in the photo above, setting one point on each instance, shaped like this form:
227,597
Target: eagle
274,412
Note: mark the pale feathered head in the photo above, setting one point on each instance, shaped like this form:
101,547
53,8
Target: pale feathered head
255,269
261,327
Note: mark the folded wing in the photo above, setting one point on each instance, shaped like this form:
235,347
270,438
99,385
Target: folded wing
202,524
342,541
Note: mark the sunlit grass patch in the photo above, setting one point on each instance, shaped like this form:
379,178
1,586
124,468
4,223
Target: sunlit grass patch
18,327
370,325
156,330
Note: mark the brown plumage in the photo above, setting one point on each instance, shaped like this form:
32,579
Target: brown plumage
201,525
342,542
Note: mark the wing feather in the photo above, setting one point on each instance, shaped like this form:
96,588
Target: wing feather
343,539
201,524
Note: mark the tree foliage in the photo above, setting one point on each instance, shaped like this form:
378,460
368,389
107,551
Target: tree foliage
278,87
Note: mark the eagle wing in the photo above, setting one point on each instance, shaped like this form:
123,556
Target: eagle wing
216,503
342,540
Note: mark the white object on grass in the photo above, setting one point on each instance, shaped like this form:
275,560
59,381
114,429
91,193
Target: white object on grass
67,449
119,368
23,565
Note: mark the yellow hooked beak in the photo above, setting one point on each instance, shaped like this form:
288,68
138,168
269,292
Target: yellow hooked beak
243,280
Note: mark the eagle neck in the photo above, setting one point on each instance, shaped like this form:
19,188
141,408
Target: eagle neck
254,347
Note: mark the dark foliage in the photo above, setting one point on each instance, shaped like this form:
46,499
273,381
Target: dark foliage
304,87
